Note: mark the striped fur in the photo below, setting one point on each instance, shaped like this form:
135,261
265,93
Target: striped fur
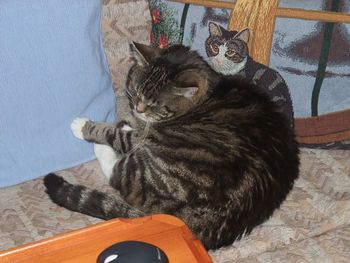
228,54
223,161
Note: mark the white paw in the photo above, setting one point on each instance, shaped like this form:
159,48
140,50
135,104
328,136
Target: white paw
77,127
127,128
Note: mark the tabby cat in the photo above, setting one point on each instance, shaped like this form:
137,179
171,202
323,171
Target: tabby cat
228,54
210,149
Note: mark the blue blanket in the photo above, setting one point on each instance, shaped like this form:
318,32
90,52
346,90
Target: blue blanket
52,69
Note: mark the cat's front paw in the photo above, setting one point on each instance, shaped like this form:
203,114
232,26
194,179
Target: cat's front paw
77,127
125,126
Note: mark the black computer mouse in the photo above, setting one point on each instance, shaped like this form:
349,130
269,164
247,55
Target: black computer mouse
132,252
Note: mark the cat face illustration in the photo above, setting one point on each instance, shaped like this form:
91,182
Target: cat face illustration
227,50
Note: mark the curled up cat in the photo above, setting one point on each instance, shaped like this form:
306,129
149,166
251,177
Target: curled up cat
210,149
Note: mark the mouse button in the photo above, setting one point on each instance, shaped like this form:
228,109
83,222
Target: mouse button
111,259
109,255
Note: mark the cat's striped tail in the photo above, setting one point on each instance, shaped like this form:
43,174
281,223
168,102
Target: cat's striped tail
87,201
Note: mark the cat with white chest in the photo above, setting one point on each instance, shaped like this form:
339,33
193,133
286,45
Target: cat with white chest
210,149
228,54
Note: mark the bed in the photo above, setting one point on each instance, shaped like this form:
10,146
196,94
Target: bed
312,225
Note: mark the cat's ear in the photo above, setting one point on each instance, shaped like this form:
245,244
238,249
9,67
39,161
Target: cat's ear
243,35
214,30
144,54
187,92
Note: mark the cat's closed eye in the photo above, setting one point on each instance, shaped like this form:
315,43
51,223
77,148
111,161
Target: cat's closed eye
153,103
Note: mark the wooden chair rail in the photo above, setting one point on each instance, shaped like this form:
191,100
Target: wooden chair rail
260,17
313,15
209,3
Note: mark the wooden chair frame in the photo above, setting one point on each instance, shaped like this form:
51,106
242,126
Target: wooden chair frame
260,17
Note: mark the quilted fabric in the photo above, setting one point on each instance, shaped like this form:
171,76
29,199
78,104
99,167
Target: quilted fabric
187,24
312,225
119,28
311,56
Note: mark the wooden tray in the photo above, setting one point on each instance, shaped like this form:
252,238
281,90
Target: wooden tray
84,245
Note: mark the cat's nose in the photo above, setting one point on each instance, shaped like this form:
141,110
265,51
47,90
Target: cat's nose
140,107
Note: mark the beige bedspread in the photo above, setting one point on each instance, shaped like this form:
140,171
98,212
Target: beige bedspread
313,224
